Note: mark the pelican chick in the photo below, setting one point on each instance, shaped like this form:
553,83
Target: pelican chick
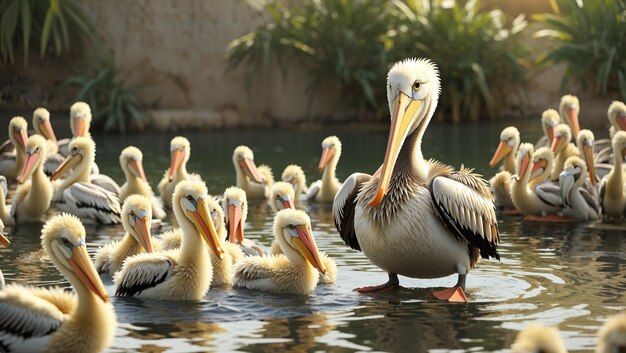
183,274
136,217
11,165
295,271
249,178
52,319
324,190
537,338
507,149
612,194
80,122
294,175
131,162
549,120
41,123
569,107
235,205
612,335
579,203
180,151
617,117
562,149
32,197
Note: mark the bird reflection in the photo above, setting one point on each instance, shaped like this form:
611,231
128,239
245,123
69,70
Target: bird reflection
296,334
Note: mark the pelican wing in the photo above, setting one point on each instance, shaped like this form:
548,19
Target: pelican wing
7,147
105,182
549,193
465,206
590,199
87,200
542,142
7,162
314,189
344,206
141,272
52,163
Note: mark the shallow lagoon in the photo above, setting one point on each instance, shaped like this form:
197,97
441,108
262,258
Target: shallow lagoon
556,274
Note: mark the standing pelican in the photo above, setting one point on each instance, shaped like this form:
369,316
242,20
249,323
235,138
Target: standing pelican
562,149
418,218
52,319
180,151
5,210
136,183
5,242
569,107
537,338
617,117
32,198
612,195
183,274
580,204
76,194
136,218
235,204
294,175
324,190
500,184
549,120
612,335
295,271
11,164
249,179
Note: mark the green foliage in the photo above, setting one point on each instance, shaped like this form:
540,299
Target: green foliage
591,39
342,40
114,104
479,57
56,24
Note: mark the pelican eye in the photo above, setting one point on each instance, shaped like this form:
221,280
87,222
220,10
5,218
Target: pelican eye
66,242
417,85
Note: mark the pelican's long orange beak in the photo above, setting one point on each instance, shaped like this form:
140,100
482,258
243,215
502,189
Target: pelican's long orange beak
86,272
176,160
503,149
4,240
235,224
288,203
21,137
137,167
550,134
557,144
31,160
307,247
327,154
70,162
621,121
142,228
524,166
591,167
46,129
572,119
80,126
404,108
202,220
250,170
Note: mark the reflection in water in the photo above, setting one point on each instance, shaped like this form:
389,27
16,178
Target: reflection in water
564,275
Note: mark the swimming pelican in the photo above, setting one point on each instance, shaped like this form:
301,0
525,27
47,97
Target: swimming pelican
282,196
249,179
569,107
52,319
235,205
183,274
136,218
500,184
295,271
418,218
32,198
4,241
76,194
5,210
612,195
180,151
612,335
136,183
537,338
579,203
294,175
324,190
549,120
562,149
80,122
617,117
222,268
539,198
11,164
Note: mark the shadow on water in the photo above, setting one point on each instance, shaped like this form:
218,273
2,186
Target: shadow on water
557,274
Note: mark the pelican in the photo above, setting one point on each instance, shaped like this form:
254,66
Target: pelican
41,123
136,183
32,198
11,164
324,190
537,338
585,143
294,175
5,211
500,184
562,149
580,204
569,108
76,194
52,319
617,117
4,241
249,179
538,198
183,274
295,271
235,205
612,335
80,122
222,268
136,218
612,196
549,120
180,151
282,196
418,218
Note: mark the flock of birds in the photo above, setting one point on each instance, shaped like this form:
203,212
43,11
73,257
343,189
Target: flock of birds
413,217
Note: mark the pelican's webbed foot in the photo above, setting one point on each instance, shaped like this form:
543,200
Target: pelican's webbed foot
455,294
392,284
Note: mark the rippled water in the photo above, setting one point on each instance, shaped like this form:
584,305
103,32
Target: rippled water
557,274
